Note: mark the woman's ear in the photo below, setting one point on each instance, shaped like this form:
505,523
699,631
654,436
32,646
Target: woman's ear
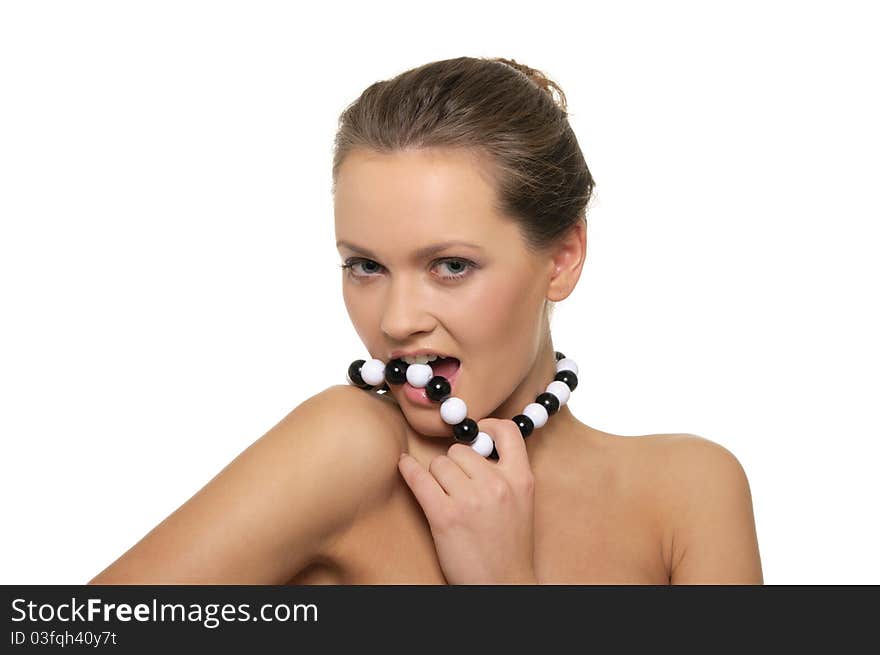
568,261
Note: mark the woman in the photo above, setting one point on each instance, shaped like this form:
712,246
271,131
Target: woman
460,196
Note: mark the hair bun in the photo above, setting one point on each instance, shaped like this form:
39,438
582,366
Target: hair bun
540,80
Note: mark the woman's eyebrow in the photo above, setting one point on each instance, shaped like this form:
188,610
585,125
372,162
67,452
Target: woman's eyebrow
421,253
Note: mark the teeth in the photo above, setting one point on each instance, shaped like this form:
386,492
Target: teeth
420,359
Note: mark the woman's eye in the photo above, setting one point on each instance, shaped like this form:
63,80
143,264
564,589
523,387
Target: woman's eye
460,268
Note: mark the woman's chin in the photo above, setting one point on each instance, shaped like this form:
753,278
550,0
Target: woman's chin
425,424
421,413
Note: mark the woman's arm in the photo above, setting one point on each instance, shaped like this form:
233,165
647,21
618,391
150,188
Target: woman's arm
276,506
714,540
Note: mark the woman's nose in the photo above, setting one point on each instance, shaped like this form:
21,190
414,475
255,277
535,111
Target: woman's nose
404,310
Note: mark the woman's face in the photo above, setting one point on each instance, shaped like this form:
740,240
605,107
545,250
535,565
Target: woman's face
482,303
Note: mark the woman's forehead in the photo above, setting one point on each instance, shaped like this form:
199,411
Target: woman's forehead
416,199
416,181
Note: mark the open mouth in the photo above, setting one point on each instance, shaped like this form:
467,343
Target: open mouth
445,366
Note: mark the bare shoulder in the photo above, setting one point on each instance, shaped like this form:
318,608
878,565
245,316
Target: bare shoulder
367,437
675,454
703,499
280,503
353,403
366,430
683,462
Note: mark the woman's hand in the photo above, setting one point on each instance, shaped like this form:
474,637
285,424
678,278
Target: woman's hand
481,512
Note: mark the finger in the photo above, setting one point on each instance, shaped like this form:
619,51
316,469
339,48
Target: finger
471,462
449,474
509,442
425,488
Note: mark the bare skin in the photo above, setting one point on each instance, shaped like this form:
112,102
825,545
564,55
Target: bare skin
319,499
607,511
599,503
315,502
584,496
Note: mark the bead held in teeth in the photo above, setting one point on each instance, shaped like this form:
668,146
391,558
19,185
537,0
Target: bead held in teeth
453,410
418,374
395,371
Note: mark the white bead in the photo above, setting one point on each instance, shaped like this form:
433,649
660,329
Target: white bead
453,410
537,412
559,389
373,371
566,364
419,374
483,444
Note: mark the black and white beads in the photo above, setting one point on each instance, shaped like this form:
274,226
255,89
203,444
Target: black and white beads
371,373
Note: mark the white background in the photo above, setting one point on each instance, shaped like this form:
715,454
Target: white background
170,285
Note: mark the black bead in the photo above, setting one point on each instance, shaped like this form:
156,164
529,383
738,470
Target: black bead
568,377
559,356
494,453
524,423
395,371
466,431
549,401
438,388
354,374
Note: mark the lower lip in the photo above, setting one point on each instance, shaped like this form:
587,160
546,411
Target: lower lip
418,395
